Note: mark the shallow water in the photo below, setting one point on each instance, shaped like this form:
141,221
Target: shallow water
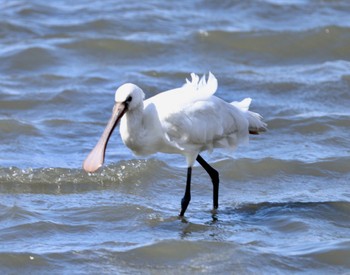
284,199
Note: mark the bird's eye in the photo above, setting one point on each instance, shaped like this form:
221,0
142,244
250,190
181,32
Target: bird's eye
128,99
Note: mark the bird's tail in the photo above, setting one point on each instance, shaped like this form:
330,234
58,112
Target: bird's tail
256,125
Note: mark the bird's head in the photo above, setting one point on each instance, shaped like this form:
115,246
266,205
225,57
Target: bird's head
128,97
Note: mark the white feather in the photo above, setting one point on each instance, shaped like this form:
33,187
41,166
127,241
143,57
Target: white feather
188,120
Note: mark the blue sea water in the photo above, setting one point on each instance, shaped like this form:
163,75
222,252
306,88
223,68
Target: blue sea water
284,199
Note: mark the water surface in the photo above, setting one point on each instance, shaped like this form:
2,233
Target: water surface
285,199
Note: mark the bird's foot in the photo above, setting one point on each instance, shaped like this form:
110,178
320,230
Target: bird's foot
184,203
214,211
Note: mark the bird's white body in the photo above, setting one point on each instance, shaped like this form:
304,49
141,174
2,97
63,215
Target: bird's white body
186,120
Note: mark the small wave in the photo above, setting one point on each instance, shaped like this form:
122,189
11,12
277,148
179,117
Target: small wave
114,48
19,104
30,58
282,46
65,97
23,263
302,219
336,253
293,217
281,79
341,208
64,180
307,123
15,213
81,25
15,29
243,169
165,253
10,128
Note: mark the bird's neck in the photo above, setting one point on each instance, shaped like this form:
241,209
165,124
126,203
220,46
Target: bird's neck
132,128
134,120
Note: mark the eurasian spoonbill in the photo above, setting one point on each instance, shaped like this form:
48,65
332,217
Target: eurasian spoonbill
185,120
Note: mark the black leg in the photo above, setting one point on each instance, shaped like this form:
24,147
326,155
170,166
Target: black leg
214,175
187,197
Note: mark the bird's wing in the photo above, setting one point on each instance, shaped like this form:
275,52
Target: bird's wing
193,119
173,107
206,124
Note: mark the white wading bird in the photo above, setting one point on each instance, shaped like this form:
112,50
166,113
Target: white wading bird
186,120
